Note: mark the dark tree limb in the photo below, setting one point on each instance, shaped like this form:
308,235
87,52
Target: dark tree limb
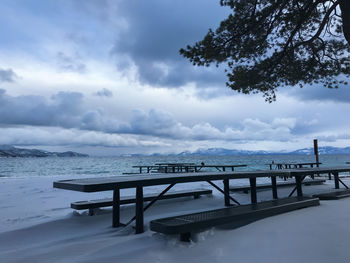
345,14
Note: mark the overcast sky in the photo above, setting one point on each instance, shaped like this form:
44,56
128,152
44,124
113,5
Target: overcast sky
105,77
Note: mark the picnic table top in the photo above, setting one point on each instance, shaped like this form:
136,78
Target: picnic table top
189,165
175,164
130,181
293,163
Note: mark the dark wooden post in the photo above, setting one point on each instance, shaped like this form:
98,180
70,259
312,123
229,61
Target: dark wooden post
252,182
336,180
116,208
274,187
298,185
227,192
316,152
139,209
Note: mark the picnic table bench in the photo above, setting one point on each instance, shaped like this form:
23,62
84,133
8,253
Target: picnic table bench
335,195
106,202
235,216
246,188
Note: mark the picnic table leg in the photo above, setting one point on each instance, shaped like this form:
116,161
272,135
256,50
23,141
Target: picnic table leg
116,208
274,187
336,180
298,181
227,192
252,182
139,209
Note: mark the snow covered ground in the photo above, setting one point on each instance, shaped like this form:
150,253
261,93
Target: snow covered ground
37,225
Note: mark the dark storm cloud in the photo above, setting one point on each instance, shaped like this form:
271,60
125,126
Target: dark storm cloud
61,110
320,93
70,63
70,110
155,122
104,93
7,75
155,32
64,109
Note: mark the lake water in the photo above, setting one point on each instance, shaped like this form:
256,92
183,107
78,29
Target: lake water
108,166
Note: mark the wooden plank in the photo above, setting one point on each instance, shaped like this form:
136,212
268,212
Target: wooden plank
130,181
235,216
106,202
333,195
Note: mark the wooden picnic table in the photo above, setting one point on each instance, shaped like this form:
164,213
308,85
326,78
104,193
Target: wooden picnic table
218,167
163,167
184,167
139,181
293,165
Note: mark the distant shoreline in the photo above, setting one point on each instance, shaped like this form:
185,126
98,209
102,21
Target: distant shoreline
8,151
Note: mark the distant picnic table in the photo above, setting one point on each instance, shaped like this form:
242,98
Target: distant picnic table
292,165
184,167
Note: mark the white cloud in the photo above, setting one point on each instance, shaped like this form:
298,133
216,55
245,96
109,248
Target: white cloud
48,136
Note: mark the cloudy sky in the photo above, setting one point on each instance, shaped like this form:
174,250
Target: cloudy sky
105,77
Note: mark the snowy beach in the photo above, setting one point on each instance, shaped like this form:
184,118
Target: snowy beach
37,225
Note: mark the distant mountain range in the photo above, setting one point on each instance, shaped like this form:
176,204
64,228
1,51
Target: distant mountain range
10,151
304,151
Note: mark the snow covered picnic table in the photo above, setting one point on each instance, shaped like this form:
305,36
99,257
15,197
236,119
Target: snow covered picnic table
285,165
184,167
139,181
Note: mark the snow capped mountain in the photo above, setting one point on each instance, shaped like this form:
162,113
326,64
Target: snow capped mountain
305,151
10,151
